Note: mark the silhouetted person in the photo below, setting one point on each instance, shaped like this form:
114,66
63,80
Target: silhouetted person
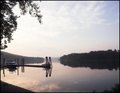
46,59
50,61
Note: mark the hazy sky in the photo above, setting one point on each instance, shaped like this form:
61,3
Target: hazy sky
67,27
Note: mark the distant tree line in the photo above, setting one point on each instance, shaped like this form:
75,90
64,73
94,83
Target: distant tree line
7,57
95,59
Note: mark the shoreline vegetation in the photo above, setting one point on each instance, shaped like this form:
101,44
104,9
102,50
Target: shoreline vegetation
8,57
95,59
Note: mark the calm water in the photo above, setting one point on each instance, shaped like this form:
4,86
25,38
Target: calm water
61,78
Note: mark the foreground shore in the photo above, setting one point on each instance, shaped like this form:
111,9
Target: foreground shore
5,87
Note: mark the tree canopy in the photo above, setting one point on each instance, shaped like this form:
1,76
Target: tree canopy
8,18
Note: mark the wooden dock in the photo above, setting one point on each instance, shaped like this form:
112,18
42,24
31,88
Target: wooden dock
26,65
44,65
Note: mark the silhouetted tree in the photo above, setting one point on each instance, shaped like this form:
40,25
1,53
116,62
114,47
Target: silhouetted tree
8,18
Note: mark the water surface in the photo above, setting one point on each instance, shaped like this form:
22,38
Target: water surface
61,78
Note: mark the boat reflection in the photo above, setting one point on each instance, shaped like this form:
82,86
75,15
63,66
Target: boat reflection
12,70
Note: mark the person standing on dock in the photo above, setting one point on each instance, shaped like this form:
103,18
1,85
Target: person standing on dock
50,61
46,60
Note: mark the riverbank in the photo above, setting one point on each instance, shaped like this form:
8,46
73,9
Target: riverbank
5,87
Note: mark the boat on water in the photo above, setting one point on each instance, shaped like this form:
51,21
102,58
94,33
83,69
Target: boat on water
12,64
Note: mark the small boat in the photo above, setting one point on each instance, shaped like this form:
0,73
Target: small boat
12,64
